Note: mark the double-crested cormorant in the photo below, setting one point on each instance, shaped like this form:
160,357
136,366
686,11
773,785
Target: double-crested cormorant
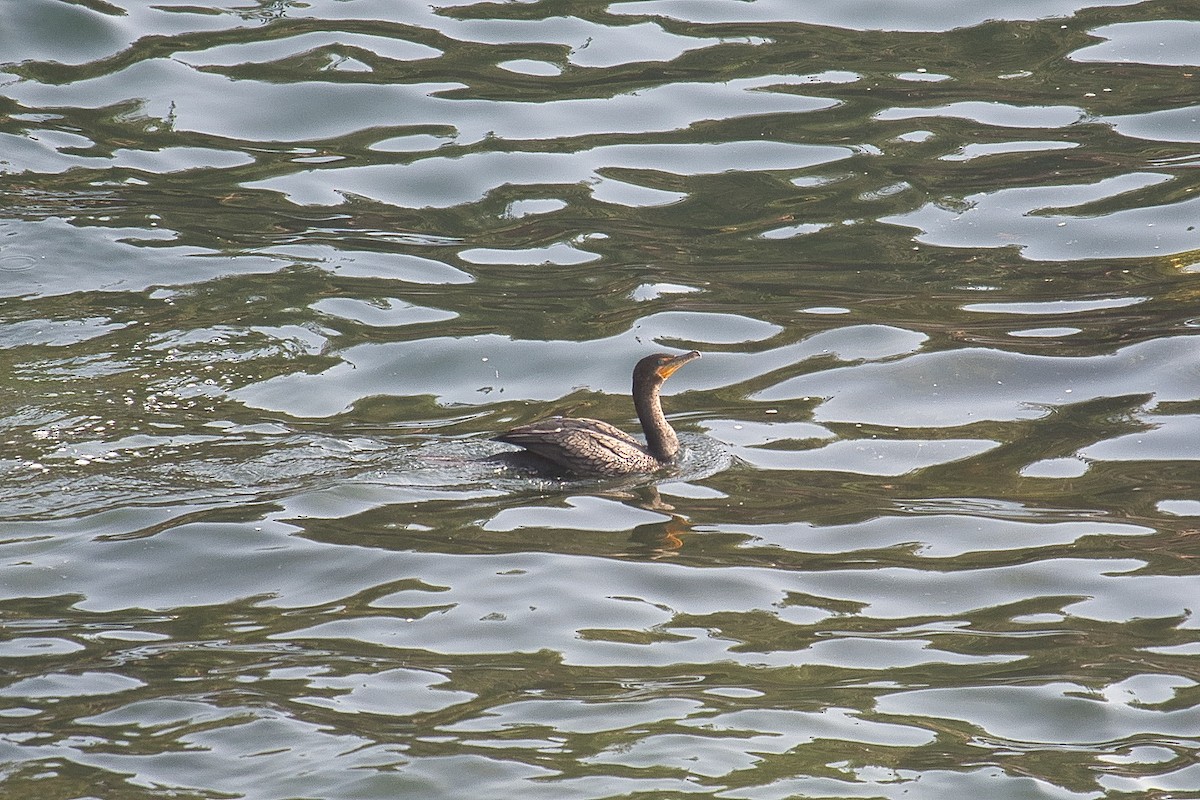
589,447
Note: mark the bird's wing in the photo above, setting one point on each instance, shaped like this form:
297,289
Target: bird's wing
561,428
587,446
612,431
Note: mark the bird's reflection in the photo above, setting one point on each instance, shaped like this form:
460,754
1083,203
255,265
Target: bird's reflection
655,539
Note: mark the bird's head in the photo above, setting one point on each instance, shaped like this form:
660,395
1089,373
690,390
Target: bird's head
656,368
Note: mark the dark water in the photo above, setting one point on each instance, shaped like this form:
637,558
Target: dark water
273,273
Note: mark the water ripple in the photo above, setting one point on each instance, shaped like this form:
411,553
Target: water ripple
273,274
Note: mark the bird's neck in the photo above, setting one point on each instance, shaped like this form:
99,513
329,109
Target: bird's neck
660,436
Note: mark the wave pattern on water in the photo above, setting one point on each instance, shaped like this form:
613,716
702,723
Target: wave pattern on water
271,275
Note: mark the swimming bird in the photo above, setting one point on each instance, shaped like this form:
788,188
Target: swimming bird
589,447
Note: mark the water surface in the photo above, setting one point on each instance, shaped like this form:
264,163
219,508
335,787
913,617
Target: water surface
272,274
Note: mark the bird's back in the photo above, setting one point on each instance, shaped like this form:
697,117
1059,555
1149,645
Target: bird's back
584,446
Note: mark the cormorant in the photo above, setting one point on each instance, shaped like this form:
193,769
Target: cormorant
589,447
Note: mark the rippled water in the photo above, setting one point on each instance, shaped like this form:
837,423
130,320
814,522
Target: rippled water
272,274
